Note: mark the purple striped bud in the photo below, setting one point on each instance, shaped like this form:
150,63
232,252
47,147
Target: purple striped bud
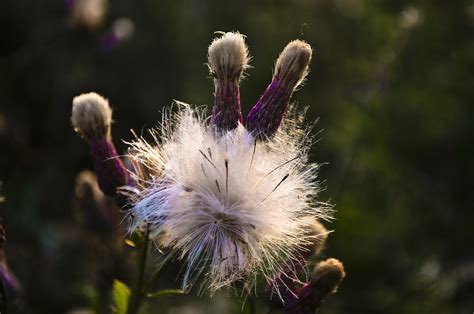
91,118
290,70
228,58
286,283
302,302
307,298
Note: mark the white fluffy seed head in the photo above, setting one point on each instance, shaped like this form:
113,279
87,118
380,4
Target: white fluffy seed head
228,56
91,116
292,64
231,207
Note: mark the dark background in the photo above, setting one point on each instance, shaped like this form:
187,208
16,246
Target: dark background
391,81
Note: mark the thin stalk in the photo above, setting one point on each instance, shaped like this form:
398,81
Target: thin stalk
137,290
252,305
155,274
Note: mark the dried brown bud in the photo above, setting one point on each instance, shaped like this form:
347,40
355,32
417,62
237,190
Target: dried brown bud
327,276
317,235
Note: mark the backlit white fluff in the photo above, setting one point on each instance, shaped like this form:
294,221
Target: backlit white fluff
230,207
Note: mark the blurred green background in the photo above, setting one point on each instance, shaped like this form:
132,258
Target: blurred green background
391,81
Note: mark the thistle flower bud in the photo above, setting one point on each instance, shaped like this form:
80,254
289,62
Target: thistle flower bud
91,118
301,302
228,58
317,235
88,13
307,298
327,276
10,284
290,70
95,212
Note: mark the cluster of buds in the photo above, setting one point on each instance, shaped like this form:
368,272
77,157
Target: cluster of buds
229,196
228,60
295,296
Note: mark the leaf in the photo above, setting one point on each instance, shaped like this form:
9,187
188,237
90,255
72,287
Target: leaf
121,294
91,296
130,243
165,292
135,239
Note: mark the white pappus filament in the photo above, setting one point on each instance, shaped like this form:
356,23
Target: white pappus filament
231,207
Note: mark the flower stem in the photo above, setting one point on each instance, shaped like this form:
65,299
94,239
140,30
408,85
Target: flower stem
252,305
154,276
137,290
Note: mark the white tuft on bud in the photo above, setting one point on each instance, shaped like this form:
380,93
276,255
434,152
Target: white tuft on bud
230,206
91,115
228,56
292,64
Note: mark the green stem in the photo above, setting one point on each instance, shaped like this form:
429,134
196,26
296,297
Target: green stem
137,290
154,275
252,305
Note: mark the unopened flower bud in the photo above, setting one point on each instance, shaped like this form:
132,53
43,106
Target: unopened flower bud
317,235
95,211
290,70
327,276
10,284
308,297
91,118
228,58
88,13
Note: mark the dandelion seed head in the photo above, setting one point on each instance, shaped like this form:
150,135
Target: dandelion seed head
231,207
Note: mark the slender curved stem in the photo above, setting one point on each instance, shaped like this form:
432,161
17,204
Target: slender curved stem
137,290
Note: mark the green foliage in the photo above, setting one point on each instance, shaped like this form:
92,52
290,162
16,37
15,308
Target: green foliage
121,294
165,292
